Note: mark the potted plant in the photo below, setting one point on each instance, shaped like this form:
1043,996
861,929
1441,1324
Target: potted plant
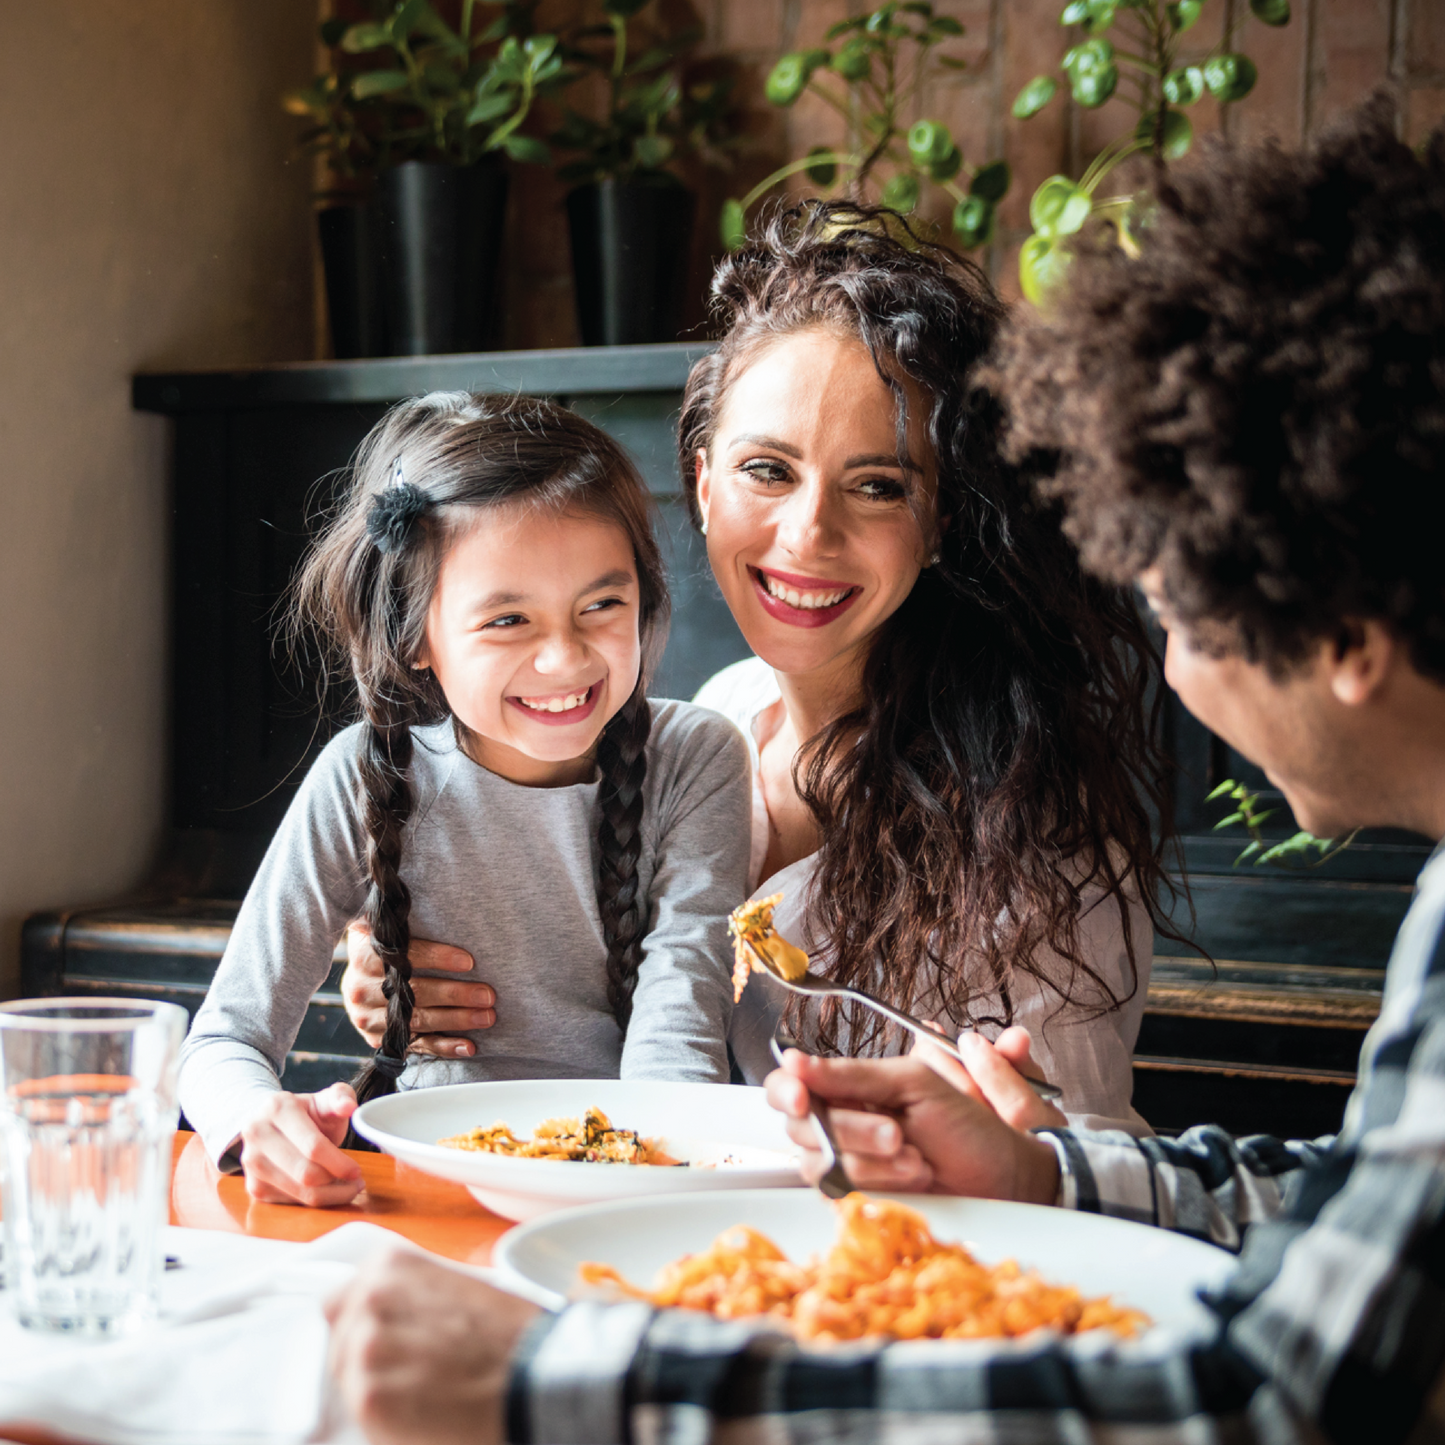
443,106
630,218
870,79
1157,86
344,132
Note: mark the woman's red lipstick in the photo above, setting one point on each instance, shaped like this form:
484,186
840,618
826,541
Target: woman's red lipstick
802,616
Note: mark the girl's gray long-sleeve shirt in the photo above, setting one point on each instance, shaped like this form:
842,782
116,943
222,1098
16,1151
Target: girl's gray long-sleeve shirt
508,873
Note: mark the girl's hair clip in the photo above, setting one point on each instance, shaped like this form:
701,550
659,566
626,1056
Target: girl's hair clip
394,511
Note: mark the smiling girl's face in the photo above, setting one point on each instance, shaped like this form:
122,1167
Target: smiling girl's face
533,635
813,526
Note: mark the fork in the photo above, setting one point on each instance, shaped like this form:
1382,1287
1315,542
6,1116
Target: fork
835,1182
810,985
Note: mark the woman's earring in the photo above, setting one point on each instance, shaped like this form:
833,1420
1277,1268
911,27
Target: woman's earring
933,559
704,526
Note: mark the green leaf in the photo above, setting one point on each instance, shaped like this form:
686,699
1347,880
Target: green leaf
405,18
1250,849
929,142
948,167
1226,787
853,61
1182,14
842,27
1089,56
1184,87
1093,87
1178,132
972,221
1230,77
1101,16
1058,208
1259,819
651,151
1043,265
732,225
379,82
489,107
825,172
528,149
945,25
789,77
991,182
539,48
1228,822
1035,96
1272,12
901,192
360,38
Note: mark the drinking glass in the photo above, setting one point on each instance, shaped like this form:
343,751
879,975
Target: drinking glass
86,1123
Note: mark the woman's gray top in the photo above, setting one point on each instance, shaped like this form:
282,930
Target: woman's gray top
508,873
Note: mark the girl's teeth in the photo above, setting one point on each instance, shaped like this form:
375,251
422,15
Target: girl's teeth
809,601
556,704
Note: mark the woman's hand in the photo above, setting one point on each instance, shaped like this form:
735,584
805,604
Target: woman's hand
291,1149
903,1126
443,1006
420,1352
993,1073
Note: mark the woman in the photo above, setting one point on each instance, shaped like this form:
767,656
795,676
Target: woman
953,777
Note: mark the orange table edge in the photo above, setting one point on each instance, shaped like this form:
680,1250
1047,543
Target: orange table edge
431,1212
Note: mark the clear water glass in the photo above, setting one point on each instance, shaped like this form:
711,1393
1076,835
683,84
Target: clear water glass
86,1123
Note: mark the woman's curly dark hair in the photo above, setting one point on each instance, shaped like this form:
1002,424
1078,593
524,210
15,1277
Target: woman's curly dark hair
1256,403
1000,757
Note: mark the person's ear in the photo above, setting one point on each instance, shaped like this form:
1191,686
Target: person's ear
1360,661
704,487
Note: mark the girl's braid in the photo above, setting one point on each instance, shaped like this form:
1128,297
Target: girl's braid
387,803
622,761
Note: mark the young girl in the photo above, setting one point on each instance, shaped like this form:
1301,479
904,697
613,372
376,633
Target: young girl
495,588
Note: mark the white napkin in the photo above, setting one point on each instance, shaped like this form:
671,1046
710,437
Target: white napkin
238,1355
237,1358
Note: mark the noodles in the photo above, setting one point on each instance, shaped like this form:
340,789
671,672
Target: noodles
751,925
886,1275
593,1141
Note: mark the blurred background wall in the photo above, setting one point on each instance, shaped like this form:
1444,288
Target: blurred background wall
153,216
149,216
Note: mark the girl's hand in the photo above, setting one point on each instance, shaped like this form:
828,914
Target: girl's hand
290,1149
420,1352
442,1005
993,1075
904,1127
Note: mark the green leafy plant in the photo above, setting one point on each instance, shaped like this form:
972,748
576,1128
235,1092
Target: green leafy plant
407,86
653,115
1129,49
870,77
1301,850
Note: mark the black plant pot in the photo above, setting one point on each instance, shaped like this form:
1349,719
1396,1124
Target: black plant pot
440,228
630,246
352,263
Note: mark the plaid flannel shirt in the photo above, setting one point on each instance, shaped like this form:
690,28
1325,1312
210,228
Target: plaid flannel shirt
1333,1325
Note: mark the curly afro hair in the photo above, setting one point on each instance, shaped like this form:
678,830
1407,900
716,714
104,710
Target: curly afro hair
1256,403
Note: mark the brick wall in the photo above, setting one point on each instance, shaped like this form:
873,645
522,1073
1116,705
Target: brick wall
1332,54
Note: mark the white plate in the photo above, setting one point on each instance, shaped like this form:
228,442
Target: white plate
726,1132
1148,1269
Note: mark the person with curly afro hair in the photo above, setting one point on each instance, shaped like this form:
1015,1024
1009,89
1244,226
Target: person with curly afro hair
1248,419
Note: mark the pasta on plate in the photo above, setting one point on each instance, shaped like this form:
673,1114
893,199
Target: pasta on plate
885,1275
591,1140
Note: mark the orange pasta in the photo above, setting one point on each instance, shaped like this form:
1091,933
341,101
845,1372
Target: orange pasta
592,1140
886,1275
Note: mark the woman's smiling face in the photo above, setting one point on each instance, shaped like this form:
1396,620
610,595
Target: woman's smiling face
813,526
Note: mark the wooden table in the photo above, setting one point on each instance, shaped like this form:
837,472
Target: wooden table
439,1216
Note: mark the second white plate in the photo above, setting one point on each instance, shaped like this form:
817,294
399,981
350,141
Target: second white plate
1148,1269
